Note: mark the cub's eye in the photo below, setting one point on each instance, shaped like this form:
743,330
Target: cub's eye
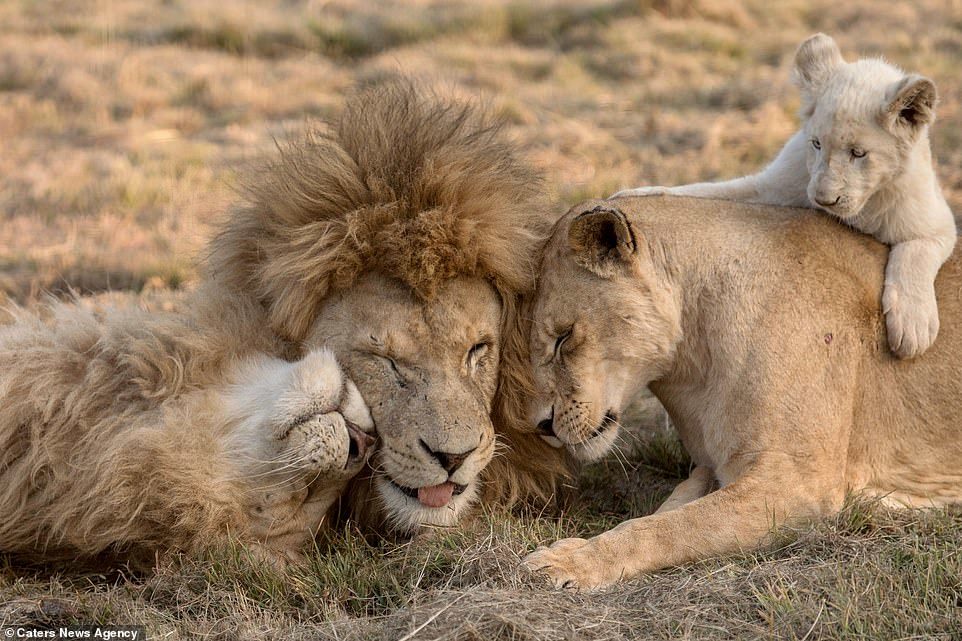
559,343
816,143
858,153
477,353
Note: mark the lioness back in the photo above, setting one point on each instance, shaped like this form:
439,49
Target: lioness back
828,281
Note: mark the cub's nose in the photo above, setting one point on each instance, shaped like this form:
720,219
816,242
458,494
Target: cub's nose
448,460
825,202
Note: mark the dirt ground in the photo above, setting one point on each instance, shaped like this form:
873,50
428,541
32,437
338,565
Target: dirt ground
123,124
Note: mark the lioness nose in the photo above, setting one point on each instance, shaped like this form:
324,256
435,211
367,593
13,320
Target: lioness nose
448,460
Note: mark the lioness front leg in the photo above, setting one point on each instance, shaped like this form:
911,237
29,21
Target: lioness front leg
908,300
737,516
699,483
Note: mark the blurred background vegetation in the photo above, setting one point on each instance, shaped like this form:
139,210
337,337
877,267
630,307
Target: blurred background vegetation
123,121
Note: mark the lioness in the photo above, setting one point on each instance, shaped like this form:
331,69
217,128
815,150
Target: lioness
759,330
862,154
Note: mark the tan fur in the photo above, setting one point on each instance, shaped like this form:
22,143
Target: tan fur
409,231
405,184
759,329
427,193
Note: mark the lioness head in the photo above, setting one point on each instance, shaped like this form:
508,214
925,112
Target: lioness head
402,238
862,120
604,324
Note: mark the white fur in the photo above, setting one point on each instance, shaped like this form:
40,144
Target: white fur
892,193
269,395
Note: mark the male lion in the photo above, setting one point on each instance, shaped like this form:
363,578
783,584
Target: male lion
758,328
862,154
397,242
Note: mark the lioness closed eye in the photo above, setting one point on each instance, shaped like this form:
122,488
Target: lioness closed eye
862,155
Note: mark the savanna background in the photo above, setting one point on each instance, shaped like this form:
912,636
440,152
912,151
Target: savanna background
123,124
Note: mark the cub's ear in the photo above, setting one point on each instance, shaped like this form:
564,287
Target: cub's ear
602,239
815,60
909,105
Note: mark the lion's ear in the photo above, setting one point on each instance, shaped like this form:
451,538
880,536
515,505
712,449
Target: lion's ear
909,105
601,239
815,60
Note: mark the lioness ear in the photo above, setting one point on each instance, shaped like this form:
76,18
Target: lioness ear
910,104
601,238
815,60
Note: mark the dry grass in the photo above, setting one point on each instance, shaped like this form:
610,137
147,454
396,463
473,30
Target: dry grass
122,123
868,574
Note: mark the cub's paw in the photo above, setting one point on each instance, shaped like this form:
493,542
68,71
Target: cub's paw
642,191
571,564
911,318
320,420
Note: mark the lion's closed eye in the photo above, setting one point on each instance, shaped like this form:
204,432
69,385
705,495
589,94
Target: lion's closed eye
392,365
559,344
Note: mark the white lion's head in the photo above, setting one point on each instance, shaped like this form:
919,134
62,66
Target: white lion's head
863,121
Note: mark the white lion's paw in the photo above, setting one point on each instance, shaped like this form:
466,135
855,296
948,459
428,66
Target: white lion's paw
570,564
911,319
642,191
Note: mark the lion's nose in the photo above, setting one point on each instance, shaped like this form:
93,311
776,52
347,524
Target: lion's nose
448,460
546,426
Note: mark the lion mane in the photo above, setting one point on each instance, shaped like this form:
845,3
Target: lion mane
416,187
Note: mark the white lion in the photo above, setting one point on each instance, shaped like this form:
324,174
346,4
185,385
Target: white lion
862,155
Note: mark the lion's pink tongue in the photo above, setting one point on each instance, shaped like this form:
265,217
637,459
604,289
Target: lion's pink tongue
436,495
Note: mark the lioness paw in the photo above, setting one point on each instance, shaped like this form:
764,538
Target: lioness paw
570,564
911,319
642,191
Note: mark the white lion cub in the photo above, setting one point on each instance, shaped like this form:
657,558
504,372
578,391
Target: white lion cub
862,155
